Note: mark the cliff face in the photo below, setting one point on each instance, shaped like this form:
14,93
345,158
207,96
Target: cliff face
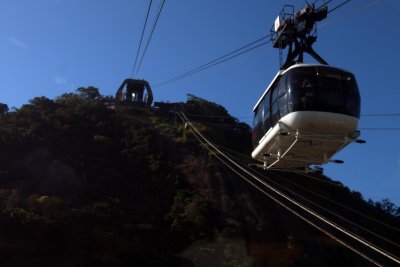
84,185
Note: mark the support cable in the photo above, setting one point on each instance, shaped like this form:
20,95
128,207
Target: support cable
249,160
206,145
351,12
141,38
151,33
339,6
328,200
340,241
250,117
311,212
328,211
324,4
235,53
381,115
380,129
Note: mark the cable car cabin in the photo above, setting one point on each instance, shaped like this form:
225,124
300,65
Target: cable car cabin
133,91
307,114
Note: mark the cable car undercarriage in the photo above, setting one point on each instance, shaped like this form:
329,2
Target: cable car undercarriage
300,149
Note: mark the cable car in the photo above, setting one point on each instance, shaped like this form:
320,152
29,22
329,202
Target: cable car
133,91
307,114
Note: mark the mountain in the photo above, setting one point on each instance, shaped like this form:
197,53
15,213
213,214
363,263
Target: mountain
85,182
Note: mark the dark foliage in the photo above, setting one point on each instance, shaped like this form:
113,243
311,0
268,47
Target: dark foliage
85,185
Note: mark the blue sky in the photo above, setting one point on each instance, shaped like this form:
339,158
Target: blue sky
50,47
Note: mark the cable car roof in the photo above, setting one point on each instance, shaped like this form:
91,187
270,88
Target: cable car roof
281,72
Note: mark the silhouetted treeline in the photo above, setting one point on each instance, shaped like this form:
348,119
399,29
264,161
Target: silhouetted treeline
82,184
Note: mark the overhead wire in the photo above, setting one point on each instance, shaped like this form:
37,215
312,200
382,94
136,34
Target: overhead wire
160,8
325,209
353,11
311,212
215,154
141,38
381,115
339,6
229,55
348,233
301,173
235,53
249,159
232,54
362,128
324,4
328,211
380,129
391,129
341,205
276,200
250,117
320,196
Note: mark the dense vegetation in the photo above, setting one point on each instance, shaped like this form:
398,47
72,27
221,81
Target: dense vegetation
85,185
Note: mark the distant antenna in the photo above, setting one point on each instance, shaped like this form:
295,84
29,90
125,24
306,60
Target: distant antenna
298,32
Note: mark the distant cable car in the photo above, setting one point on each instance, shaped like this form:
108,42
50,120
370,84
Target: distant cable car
306,115
133,91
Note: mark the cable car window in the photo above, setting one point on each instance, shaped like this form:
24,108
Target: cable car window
282,97
352,98
323,89
267,111
283,105
255,117
282,86
275,107
301,83
258,127
274,91
331,95
257,131
338,92
259,115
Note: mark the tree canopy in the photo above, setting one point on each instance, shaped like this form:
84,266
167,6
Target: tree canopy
85,185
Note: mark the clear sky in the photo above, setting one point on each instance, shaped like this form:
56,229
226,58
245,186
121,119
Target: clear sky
50,47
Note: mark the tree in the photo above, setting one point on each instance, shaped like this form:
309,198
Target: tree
388,206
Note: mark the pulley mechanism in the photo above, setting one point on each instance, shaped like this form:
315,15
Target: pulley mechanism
298,32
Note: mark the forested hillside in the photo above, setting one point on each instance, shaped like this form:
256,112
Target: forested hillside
82,184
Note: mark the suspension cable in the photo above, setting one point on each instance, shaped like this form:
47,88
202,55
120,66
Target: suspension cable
151,33
330,212
354,10
324,4
141,38
339,6
206,145
319,195
311,212
287,207
250,160
235,53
